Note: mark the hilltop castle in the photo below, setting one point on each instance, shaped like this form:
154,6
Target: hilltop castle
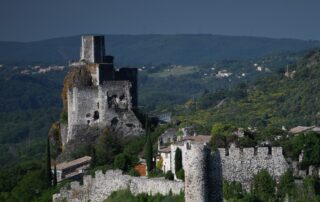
98,95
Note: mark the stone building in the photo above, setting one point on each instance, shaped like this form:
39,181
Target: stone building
72,169
167,154
165,157
167,138
100,96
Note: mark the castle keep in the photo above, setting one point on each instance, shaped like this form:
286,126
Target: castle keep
100,96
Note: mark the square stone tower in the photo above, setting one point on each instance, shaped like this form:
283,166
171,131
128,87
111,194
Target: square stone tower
92,49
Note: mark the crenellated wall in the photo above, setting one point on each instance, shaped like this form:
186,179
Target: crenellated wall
204,174
242,164
100,187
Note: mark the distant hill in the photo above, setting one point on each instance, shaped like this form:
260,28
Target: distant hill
276,100
154,49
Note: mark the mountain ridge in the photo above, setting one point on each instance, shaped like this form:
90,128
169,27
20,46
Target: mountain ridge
155,49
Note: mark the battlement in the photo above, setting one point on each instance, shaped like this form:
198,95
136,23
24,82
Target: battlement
240,164
250,151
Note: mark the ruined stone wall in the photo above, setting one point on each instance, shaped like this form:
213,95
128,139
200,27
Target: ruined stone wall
107,105
102,185
242,164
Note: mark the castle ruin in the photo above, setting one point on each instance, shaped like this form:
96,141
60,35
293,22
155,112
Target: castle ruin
204,169
100,96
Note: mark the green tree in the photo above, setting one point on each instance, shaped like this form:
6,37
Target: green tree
93,155
48,165
169,175
108,145
121,161
286,186
149,153
221,135
264,186
178,160
55,175
180,174
232,190
29,187
308,191
148,150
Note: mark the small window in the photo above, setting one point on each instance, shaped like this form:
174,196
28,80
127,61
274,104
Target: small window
188,145
227,151
96,115
98,105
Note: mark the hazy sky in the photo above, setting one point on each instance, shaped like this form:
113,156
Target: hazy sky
28,20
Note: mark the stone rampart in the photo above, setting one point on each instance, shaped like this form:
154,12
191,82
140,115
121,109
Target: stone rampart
100,187
242,164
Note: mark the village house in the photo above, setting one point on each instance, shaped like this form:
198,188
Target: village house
166,155
304,129
72,169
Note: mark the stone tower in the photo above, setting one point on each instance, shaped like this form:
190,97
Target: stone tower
196,182
92,49
106,99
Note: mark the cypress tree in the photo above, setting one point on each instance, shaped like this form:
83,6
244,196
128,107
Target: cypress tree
148,149
55,175
48,169
178,160
93,161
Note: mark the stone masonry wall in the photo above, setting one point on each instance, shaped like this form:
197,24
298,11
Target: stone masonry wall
242,164
107,105
196,182
102,185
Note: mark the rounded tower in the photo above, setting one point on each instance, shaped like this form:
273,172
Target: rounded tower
195,172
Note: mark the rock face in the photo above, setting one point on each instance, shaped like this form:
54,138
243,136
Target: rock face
102,185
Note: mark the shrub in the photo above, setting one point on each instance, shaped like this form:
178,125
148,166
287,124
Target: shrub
232,190
180,174
286,185
133,172
121,161
169,175
264,186
64,117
